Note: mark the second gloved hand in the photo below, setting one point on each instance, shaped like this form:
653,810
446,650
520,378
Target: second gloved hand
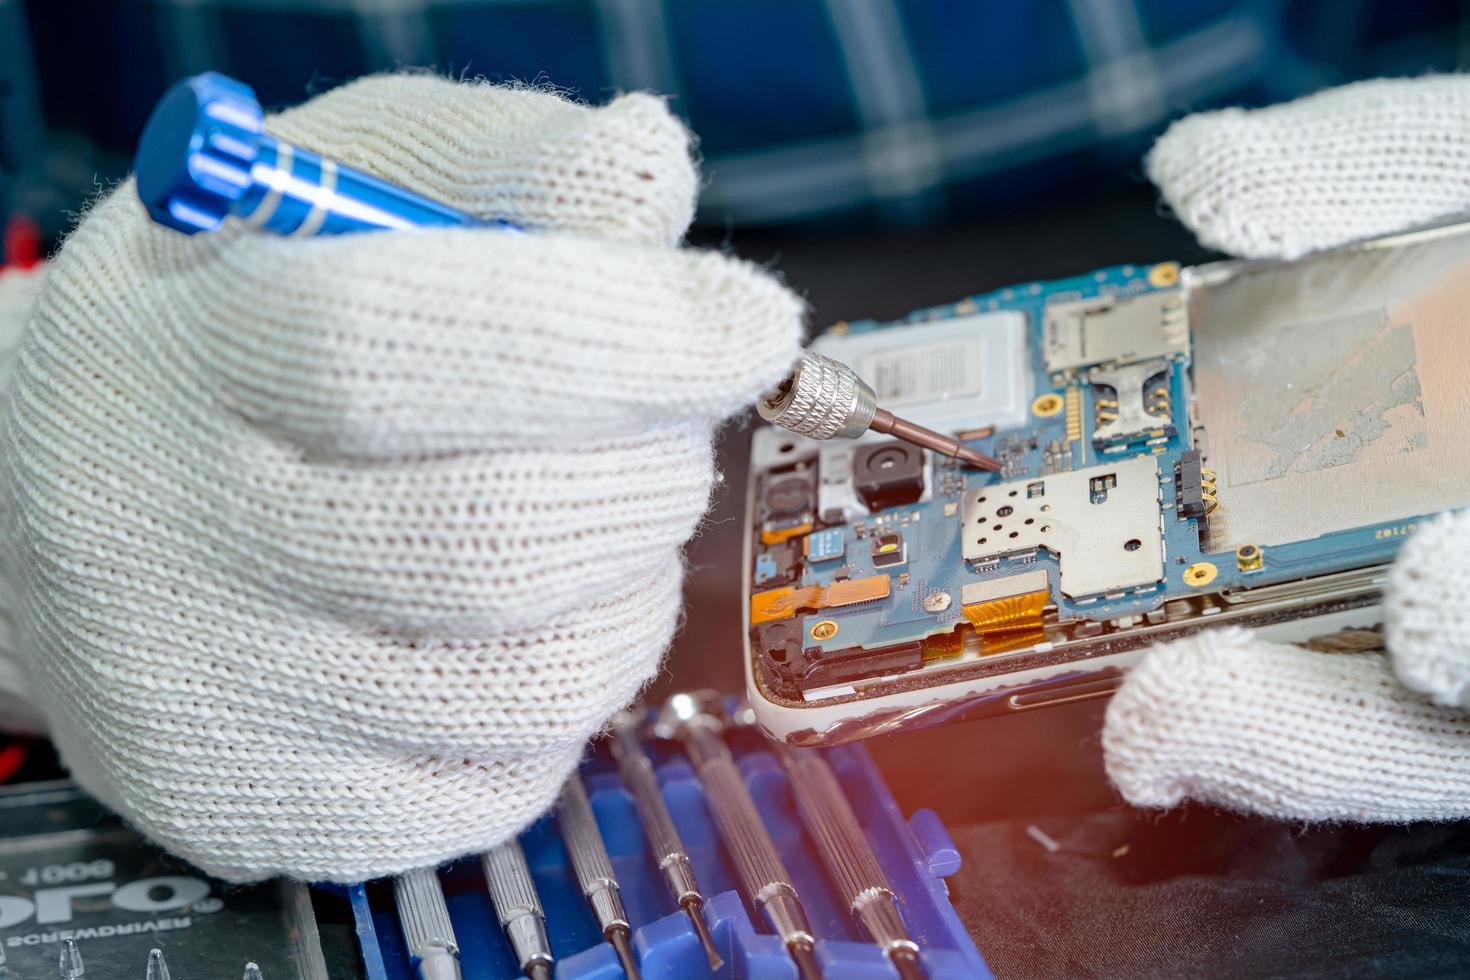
1224,717
327,556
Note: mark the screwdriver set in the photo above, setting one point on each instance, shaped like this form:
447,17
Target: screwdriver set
632,916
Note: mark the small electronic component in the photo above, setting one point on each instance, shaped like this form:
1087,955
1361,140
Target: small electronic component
788,495
779,564
1110,329
825,545
1250,558
784,603
1101,522
888,474
889,550
787,503
1189,497
1139,410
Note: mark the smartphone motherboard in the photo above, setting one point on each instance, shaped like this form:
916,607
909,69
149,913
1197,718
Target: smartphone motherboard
1239,442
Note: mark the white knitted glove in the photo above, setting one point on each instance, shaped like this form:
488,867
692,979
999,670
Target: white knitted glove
1348,163
1224,718
330,555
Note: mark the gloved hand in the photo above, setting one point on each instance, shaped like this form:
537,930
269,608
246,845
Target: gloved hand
327,556
1228,719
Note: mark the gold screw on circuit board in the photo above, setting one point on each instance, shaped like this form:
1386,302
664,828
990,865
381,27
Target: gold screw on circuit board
824,630
1163,275
1046,406
1200,574
1249,557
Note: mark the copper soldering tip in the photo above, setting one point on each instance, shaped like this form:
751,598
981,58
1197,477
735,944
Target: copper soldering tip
977,459
885,421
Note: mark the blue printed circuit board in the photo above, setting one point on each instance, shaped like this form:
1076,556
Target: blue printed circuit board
870,564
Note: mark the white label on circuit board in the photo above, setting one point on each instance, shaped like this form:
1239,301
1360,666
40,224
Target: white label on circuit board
901,376
950,374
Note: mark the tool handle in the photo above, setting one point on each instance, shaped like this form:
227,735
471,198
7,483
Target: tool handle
584,841
829,819
511,887
636,769
423,913
589,856
822,399
740,824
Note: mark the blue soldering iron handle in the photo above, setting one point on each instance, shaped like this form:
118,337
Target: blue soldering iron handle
205,156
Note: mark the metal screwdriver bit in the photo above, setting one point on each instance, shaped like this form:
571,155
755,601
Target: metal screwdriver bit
825,399
513,892
696,721
850,861
424,918
595,871
70,964
252,972
157,965
668,848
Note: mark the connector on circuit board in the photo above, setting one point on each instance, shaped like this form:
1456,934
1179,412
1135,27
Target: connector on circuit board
1189,499
779,564
792,668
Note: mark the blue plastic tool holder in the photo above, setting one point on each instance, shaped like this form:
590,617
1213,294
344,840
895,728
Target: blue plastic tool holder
917,854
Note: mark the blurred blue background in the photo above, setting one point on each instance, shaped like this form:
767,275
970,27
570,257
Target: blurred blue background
828,113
